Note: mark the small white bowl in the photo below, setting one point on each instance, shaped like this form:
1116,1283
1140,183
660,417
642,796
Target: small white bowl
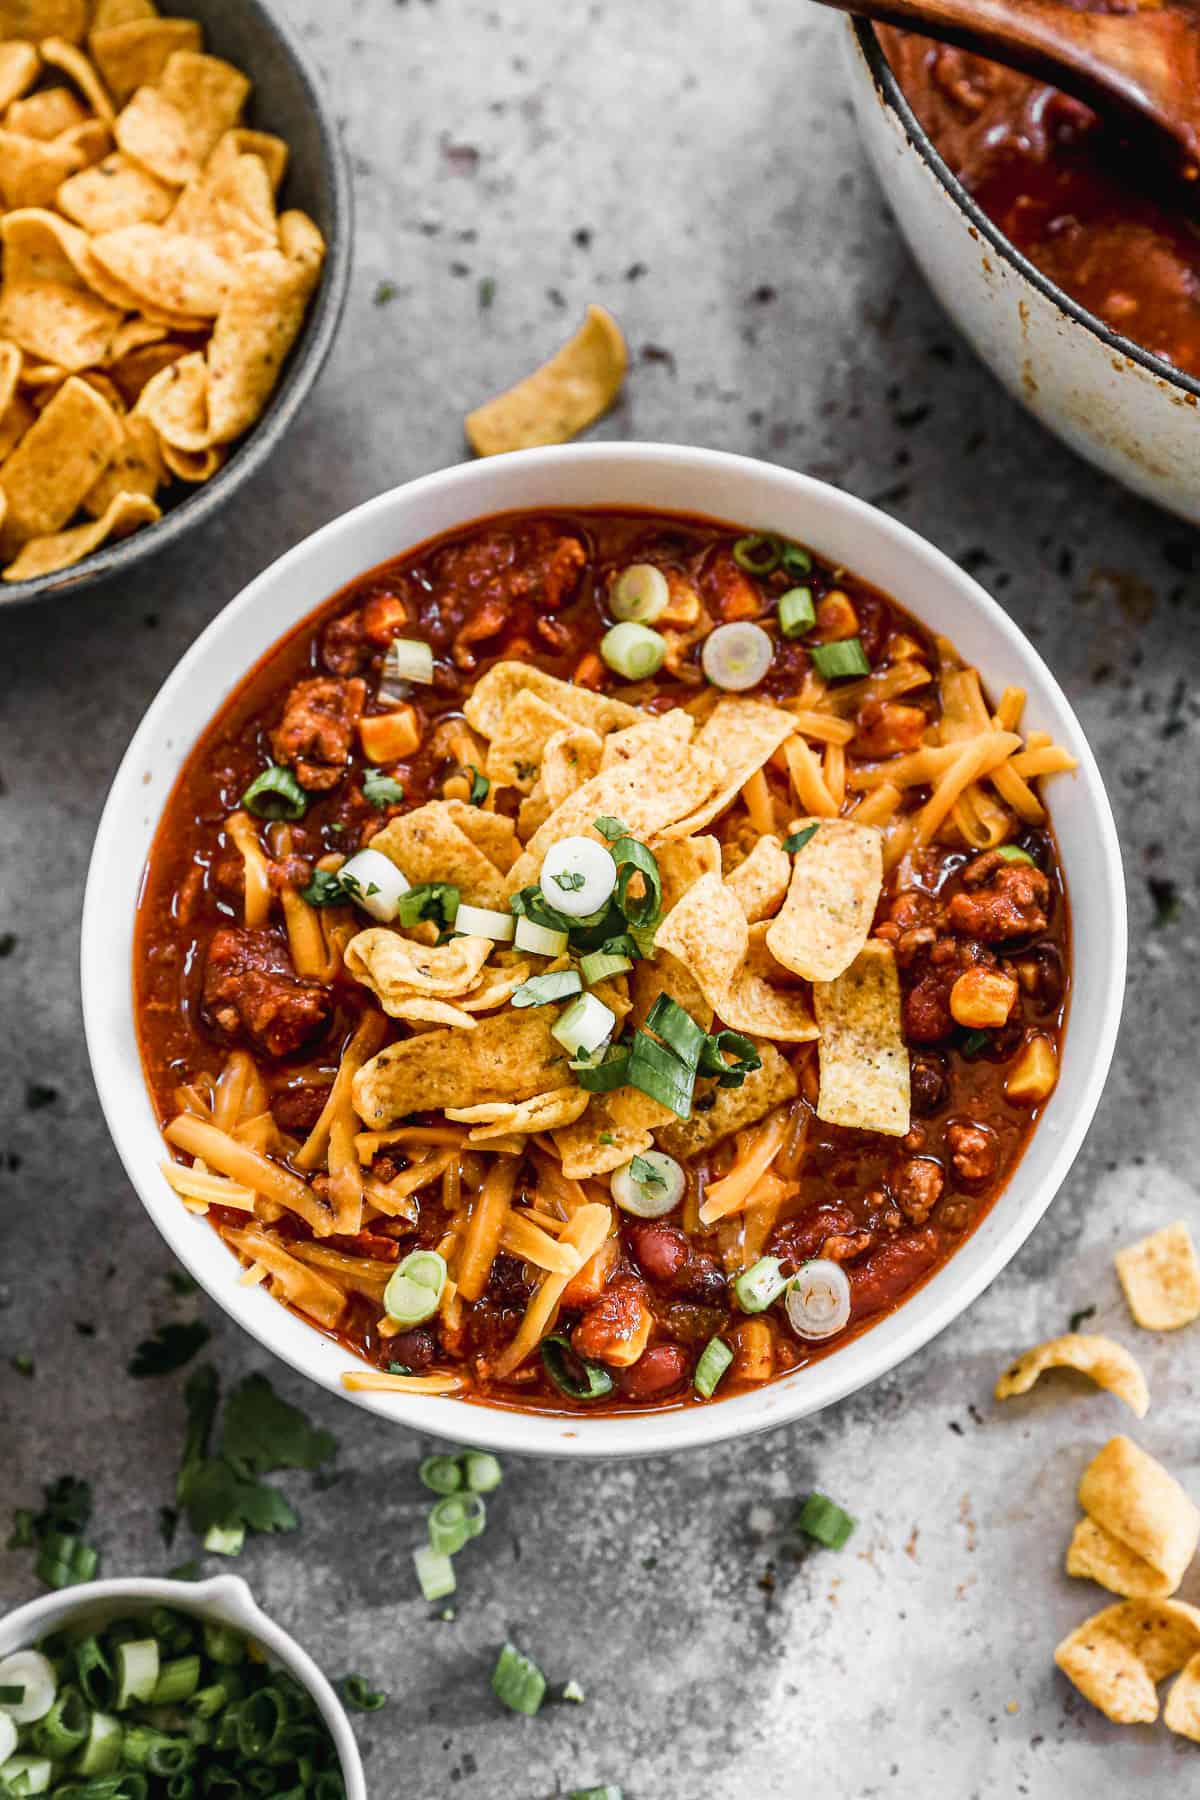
226,1600
757,496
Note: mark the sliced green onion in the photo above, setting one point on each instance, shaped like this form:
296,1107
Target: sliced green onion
64,1561
611,829
324,889
486,922
382,790
632,858
657,1071
798,839
600,1793
796,612
795,559
156,1751
584,1026
760,1286
436,900
824,1520
633,651
408,659
715,1358
137,1670
572,1374
177,1680
732,1043
481,787
414,1291
441,1474
517,1681
845,657
572,1691
8,1737
275,794
225,1540
531,903
973,1042
481,1471
435,1572
540,939
640,592
1013,853
759,553
102,1752
22,1775
93,1672
360,1696
599,965
540,990
602,1071
34,1674
223,1644
677,1028
648,1186
579,875
454,1519
11,1696
373,880
736,657
818,1299
64,1727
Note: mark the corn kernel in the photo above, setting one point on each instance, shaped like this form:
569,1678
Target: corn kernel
982,998
386,737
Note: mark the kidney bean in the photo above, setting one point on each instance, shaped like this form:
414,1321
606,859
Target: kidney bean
662,1368
662,1252
888,1273
930,1085
412,1348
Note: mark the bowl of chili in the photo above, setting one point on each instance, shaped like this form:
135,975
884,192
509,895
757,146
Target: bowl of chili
150,1675
894,1197
1073,275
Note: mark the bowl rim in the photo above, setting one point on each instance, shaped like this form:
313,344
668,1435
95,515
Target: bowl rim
227,1596
892,95
305,361
107,992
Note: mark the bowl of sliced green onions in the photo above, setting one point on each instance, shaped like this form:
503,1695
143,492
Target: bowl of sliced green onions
166,1690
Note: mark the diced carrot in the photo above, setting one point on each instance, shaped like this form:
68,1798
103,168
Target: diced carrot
390,735
590,671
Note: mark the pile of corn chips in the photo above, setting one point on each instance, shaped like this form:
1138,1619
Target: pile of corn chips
150,290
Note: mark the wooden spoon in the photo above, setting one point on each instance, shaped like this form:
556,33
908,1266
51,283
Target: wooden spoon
1143,66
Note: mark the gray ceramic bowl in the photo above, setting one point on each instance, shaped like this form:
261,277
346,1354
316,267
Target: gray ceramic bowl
288,100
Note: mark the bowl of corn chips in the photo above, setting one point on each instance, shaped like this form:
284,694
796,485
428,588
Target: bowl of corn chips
175,224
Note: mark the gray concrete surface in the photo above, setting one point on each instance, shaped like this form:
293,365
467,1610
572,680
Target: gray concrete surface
696,169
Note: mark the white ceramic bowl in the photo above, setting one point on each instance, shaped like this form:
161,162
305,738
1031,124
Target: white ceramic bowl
753,494
1129,412
227,1601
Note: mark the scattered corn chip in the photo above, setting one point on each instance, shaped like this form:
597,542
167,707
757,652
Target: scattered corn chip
1161,1278
1106,1363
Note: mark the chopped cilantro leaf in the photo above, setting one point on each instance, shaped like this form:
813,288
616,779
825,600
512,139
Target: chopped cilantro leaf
263,1432
606,1137
169,1349
645,1173
382,790
570,881
182,1283
798,839
1081,1317
481,787
359,1695
436,900
325,889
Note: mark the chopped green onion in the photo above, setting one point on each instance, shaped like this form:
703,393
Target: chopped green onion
436,900
275,794
600,1793
760,1286
657,1071
824,1520
177,1681
64,1727
382,790
798,839
11,1696
324,889
481,787
573,1692
610,828
64,1560
360,1696
22,1775
540,939
223,1644
640,592
677,1028
486,922
648,1186
374,881
225,1540
571,1374
441,1474
137,1670
435,1572
715,1358
8,1738
632,858
531,903
973,1042
34,1674
101,1754
737,656
759,553
579,874
796,612
602,1071
541,990
818,1299
455,1518
414,1291
93,1672
599,965
633,651
517,1681
795,559
1013,853
408,659
584,1026
734,1043
481,1471
845,657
